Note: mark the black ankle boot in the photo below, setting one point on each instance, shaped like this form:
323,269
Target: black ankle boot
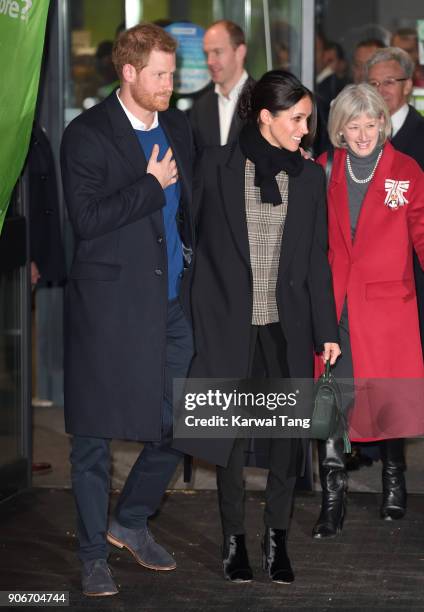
394,488
235,560
333,482
275,560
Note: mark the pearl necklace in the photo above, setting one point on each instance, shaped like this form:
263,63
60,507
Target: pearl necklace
365,180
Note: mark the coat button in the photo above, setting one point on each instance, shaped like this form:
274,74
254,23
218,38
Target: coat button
160,239
43,177
48,211
291,283
158,272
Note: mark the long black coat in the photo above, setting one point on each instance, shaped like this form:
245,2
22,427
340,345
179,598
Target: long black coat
116,302
222,278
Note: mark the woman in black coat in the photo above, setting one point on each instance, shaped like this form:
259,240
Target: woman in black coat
262,295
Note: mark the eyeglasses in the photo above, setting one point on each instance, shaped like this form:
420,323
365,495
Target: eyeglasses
386,83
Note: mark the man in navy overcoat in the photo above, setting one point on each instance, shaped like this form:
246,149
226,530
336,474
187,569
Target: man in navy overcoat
126,166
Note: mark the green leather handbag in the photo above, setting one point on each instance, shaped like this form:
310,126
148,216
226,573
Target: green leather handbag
328,419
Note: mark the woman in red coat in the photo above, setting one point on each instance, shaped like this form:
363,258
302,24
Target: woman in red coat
375,220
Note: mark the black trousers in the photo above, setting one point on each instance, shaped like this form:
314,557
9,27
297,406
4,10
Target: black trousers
268,358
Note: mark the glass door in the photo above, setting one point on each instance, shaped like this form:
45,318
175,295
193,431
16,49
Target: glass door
15,472
273,28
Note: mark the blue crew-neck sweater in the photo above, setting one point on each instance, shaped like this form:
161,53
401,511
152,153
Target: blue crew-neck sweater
172,194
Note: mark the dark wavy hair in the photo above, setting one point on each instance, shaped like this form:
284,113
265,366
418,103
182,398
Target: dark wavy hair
276,90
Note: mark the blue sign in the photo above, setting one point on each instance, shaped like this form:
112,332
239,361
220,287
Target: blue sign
192,72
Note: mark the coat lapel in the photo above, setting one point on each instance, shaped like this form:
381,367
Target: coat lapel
212,120
297,209
339,198
125,138
177,145
236,122
231,177
234,128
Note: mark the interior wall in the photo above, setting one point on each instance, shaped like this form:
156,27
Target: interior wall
349,22
394,14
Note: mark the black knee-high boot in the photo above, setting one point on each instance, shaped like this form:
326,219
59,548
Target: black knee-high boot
394,488
332,471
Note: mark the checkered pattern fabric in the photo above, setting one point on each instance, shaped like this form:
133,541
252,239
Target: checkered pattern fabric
265,225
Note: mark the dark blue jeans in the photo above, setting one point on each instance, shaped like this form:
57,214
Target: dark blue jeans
150,475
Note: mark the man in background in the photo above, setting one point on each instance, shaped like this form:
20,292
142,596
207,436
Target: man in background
213,117
48,271
407,39
391,71
364,50
329,59
48,274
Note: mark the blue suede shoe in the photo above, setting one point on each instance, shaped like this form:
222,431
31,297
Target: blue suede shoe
97,579
142,546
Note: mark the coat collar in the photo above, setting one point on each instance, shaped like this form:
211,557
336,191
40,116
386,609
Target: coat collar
172,127
232,184
211,130
236,122
231,177
124,135
337,191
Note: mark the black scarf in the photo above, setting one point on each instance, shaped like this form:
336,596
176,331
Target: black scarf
269,161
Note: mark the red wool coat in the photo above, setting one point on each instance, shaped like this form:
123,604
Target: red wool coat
375,274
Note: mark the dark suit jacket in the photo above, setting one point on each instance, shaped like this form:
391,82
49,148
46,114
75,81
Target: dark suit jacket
117,295
325,92
204,120
410,140
222,278
410,137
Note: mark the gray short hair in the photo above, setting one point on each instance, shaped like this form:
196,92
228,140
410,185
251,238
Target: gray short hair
351,102
392,54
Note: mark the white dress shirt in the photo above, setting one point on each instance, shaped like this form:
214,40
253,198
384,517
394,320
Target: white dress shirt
324,74
135,122
227,106
398,119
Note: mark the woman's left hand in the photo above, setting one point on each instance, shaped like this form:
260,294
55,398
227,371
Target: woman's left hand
331,352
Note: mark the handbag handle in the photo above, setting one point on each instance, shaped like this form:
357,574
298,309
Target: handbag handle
327,371
327,378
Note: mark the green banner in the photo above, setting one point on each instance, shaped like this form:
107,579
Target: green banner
22,29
